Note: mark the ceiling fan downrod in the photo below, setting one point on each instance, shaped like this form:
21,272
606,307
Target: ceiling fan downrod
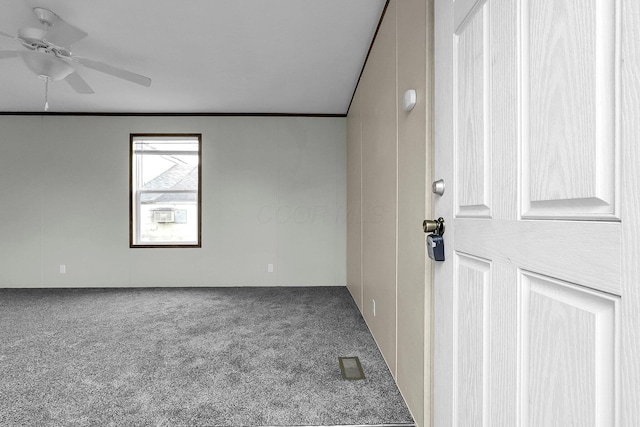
46,91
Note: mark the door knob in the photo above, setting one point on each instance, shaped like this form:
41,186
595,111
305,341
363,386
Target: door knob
434,226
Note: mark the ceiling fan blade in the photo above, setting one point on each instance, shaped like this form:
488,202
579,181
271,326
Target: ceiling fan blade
8,54
78,84
64,34
116,72
2,33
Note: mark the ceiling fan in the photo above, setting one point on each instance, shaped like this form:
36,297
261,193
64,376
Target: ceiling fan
48,54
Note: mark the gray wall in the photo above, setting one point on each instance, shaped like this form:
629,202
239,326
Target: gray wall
273,192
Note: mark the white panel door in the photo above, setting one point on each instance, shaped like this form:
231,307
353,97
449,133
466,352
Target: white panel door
536,136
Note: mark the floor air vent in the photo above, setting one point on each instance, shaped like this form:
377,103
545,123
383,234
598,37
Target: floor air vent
351,368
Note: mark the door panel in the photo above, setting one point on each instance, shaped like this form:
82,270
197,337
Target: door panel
472,331
531,299
471,115
568,83
568,354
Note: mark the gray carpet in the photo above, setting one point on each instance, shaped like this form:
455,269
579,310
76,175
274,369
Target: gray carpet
189,356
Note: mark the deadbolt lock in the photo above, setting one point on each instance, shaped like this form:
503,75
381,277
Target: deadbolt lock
434,226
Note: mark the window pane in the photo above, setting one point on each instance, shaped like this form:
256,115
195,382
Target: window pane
165,194
177,143
168,223
169,172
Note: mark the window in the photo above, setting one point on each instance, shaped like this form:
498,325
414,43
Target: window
165,204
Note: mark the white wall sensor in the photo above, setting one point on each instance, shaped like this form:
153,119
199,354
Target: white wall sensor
409,100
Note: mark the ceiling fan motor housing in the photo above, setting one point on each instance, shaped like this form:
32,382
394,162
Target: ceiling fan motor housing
32,37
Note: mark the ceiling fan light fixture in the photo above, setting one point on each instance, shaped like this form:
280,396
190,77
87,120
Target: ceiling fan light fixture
46,65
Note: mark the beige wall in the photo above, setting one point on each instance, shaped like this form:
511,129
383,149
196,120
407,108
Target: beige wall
379,196
387,160
354,201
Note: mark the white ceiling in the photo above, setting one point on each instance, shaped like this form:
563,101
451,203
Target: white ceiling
203,56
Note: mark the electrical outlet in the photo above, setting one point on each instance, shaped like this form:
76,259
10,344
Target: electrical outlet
373,306
63,269
269,268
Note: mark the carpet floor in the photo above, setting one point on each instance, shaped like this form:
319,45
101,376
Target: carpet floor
189,357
